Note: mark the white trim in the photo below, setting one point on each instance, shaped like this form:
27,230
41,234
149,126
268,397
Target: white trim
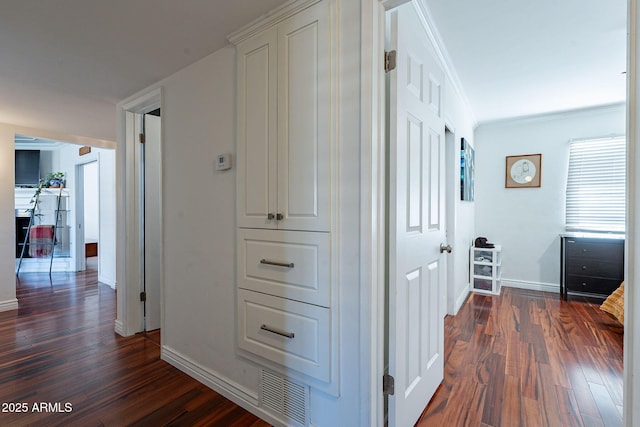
119,328
237,393
371,310
460,300
631,377
533,286
106,281
556,115
128,263
8,305
269,19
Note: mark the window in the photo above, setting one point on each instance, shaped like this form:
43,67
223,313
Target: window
596,185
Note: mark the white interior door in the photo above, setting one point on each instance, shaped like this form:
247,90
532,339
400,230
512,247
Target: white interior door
152,221
416,229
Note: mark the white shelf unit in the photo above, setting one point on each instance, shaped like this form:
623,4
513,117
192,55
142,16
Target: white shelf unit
486,269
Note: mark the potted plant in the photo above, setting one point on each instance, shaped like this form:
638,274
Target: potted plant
54,180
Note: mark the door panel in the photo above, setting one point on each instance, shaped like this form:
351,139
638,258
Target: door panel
416,219
152,221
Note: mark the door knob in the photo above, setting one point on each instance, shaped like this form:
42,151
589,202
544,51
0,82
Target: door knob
445,248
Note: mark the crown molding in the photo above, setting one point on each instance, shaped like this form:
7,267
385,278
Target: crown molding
443,55
276,16
556,115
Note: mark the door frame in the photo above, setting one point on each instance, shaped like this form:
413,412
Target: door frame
373,201
130,311
373,210
79,239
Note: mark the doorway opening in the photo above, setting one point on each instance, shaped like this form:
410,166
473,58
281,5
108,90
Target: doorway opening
139,268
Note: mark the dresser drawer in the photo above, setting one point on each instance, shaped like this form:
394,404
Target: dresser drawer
592,285
288,264
596,248
595,267
292,334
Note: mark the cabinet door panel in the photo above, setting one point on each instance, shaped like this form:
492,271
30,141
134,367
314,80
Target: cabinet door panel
257,131
304,128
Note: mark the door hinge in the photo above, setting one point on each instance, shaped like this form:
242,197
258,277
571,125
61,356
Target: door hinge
389,61
388,385
143,296
141,137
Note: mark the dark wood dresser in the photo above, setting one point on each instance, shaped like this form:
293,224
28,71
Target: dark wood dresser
591,264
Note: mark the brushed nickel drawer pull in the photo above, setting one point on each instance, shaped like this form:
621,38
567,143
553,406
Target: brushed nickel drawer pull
279,264
285,334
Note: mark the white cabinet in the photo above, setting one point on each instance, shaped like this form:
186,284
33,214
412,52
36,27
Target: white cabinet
284,126
486,269
285,141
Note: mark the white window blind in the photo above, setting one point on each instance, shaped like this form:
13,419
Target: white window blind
596,185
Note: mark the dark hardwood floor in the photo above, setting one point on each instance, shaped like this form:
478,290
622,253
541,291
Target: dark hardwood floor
523,358
62,364
526,358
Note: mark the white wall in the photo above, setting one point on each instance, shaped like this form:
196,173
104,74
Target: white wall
527,221
7,220
199,299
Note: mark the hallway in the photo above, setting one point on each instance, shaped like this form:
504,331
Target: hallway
61,363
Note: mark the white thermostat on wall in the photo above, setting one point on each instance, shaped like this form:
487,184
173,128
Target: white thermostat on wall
223,162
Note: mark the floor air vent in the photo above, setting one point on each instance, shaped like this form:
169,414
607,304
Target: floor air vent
284,398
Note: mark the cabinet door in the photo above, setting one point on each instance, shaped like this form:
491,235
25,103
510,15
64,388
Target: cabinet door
257,131
305,127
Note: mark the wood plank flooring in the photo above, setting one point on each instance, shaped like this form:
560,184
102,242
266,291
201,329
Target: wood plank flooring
526,358
61,364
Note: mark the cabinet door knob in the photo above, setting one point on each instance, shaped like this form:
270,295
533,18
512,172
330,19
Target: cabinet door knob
279,217
584,267
270,216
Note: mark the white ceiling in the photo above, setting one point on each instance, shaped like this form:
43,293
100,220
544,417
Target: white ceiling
517,58
64,64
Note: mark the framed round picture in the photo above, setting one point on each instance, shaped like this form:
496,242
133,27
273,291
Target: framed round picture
523,171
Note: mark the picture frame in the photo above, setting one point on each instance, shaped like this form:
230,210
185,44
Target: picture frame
467,171
523,171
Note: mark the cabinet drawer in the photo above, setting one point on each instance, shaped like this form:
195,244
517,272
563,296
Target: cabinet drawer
592,285
292,334
598,248
595,267
288,264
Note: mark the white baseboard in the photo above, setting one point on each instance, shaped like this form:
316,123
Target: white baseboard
119,328
9,305
461,298
238,394
107,281
533,286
